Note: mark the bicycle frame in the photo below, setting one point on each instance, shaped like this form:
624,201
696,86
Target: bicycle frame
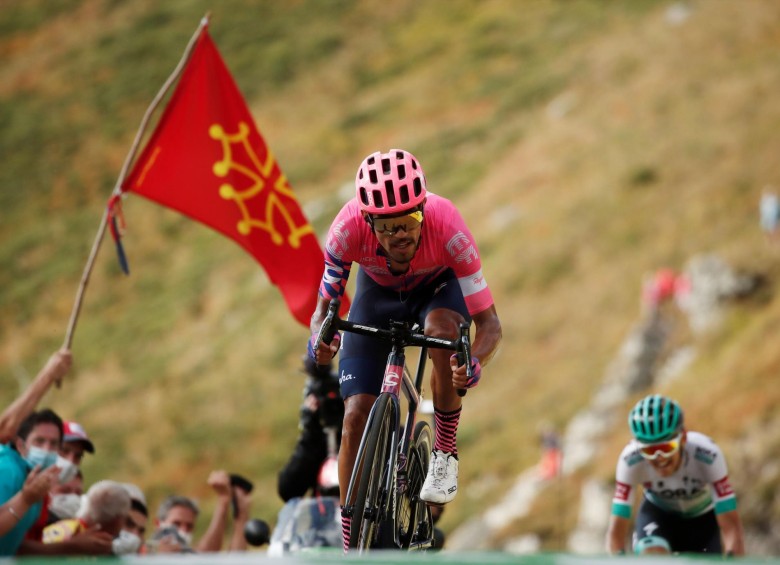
396,382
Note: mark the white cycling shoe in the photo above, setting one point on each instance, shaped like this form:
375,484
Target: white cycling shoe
441,483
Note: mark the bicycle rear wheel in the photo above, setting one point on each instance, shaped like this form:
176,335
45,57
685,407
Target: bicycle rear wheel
373,466
414,523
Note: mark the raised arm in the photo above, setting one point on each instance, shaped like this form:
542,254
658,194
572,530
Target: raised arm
215,534
56,368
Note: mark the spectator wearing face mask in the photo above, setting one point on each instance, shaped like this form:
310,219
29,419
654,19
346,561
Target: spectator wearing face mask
137,518
75,443
105,509
177,516
27,473
65,499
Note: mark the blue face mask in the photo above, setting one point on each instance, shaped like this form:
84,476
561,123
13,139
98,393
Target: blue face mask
42,457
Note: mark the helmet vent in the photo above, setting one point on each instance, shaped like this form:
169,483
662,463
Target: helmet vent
390,193
378,200
404,192
417,186
401,172
386,166
372,176
363,196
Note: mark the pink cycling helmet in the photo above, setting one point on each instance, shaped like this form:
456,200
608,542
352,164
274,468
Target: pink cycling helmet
390,183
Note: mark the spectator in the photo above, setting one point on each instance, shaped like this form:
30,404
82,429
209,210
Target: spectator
322,408
74,443
769,209
53,372
27,473
105,509
64,499
138,517
552,454
177,515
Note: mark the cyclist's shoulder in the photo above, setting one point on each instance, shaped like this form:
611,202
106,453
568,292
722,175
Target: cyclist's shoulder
703,448
699,439
630,457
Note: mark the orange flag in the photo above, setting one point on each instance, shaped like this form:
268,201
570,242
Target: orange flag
207,160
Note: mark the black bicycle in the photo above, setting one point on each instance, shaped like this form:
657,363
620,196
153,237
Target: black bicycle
383,497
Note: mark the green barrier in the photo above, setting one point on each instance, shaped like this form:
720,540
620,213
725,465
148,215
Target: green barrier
393,558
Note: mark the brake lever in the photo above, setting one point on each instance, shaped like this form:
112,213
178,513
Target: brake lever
329,325
464,353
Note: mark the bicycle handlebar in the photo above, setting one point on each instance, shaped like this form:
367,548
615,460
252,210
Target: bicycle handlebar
399,334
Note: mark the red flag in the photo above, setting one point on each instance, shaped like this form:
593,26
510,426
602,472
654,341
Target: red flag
207,160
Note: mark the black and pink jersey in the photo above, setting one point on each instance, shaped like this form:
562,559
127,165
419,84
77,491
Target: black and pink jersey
445,243
700,484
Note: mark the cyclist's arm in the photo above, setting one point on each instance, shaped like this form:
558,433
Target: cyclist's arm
617,531
487,335
731,530
326,351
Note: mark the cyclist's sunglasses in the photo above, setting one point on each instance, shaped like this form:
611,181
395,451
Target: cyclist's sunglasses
664,449
391,226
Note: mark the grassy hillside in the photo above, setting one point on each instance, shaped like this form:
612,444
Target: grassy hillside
587,143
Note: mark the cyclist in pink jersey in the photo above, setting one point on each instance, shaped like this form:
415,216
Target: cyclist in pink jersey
688,504
419,263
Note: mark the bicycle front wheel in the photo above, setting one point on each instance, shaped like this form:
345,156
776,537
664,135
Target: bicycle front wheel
374,468
414,523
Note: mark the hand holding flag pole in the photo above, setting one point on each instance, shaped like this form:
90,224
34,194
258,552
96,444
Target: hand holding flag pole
207,159
109,214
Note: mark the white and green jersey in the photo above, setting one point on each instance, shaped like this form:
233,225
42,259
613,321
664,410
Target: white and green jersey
700,484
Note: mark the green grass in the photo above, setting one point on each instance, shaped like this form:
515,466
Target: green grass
661,140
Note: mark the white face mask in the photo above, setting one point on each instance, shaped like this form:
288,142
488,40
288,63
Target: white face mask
125,543
67,468
65,505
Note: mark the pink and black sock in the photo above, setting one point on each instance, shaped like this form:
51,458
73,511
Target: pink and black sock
446,431
346,528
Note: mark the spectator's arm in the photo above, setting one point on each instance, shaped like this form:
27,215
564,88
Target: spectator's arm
243,502
37,484
214,536
89,542
56,368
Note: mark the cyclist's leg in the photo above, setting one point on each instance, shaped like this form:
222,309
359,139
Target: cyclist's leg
654,530
361,367
702,535
443,310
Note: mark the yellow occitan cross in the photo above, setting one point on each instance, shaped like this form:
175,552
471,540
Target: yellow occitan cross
258,174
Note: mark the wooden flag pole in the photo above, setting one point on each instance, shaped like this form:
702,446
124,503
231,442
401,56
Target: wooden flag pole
121,179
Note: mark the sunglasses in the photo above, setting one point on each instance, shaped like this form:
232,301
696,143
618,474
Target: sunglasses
666,449
391,226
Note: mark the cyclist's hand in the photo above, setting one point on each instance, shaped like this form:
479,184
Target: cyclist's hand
459,379
326,351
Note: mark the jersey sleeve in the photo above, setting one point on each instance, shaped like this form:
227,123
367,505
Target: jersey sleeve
626,478
464,259
341,245
711,456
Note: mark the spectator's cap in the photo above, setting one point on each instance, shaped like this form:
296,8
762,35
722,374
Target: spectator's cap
137,498
73,432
